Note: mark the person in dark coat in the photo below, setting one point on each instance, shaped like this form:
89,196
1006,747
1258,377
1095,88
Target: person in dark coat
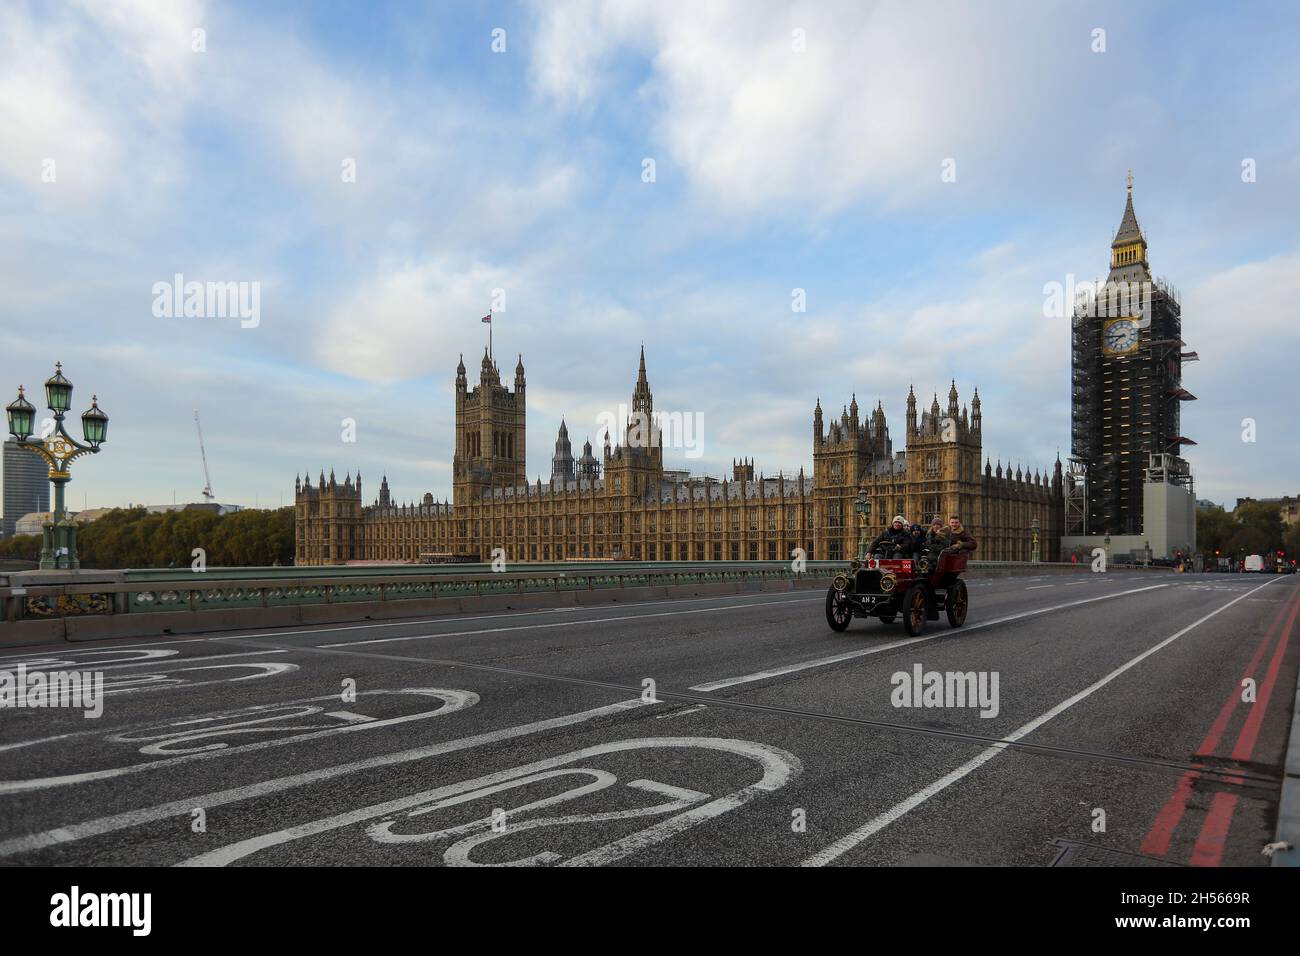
916,542
894,539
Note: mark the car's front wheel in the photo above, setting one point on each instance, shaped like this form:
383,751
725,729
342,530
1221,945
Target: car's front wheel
838,611
915,609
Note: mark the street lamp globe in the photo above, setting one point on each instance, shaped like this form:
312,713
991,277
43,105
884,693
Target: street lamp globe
22,416
58,391
94,423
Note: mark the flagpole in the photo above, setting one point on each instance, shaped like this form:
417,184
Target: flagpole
489,334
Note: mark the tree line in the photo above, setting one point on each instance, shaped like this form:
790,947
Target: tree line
134,538
1253,528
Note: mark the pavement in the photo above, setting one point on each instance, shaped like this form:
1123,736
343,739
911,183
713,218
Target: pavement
1111,718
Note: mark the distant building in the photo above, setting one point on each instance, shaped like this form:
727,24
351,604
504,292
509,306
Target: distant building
26,486
1128,488
625,504
211,506
1288,506
1205,504
34,522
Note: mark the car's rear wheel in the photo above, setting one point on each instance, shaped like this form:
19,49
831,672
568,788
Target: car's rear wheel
838,611
915,607
957,604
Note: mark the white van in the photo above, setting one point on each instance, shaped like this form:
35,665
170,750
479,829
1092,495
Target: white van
1254,562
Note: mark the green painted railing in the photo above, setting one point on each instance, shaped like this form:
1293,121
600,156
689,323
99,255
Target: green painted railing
250,588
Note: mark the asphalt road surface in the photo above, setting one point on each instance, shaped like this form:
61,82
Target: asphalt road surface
1112,722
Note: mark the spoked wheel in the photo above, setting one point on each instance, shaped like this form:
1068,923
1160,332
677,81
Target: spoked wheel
957,604
838,612
914,609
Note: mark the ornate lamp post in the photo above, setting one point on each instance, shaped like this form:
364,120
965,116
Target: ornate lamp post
861,507
59,547
1036,528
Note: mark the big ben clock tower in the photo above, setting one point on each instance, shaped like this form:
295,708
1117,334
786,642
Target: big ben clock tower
1127,393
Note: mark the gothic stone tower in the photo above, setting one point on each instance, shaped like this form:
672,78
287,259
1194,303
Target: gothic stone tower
944,454
1127,359
635,468
490,433
328,524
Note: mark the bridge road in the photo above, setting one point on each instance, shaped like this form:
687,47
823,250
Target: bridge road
765,739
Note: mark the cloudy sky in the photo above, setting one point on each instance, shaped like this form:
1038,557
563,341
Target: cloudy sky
378,170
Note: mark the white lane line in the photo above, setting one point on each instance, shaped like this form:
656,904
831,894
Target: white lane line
864,652
173,661
848,842
537,627
681,713
135,818
451,617
1037,587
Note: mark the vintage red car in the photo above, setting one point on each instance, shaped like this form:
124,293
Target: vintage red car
888,587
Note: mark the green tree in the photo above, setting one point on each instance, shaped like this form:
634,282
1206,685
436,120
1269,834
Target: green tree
133,538
1214,528
1264,518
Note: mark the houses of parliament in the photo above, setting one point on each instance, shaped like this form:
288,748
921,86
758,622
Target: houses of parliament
624,504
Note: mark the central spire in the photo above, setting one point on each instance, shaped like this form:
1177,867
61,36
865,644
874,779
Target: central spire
1128,250
642,400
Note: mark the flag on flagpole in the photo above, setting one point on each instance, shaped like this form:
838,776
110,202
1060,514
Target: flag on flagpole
487,318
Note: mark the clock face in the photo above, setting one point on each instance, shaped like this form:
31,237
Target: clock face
1120,336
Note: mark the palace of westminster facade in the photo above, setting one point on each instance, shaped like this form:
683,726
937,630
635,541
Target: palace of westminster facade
625,505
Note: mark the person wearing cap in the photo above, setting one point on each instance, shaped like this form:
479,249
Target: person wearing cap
893,539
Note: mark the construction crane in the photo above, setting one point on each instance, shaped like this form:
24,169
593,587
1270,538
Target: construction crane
207,479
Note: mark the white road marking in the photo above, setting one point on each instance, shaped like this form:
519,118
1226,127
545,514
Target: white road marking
1038,586
183,660
134,818
538,627
779,767
848,842
453,700
879,648
449,617
135,683
72,658
681,713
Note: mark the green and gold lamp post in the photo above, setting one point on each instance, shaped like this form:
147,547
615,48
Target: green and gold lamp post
861,507
59,449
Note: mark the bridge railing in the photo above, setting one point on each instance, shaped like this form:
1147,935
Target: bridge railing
151,591
216,590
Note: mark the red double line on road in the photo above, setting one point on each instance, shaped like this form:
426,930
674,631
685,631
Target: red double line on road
1208,850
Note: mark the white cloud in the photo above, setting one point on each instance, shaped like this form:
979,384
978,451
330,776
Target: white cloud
881,96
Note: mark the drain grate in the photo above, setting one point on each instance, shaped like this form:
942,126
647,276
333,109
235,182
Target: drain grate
1087,854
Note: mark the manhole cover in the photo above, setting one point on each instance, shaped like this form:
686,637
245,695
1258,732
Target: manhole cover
1086,854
